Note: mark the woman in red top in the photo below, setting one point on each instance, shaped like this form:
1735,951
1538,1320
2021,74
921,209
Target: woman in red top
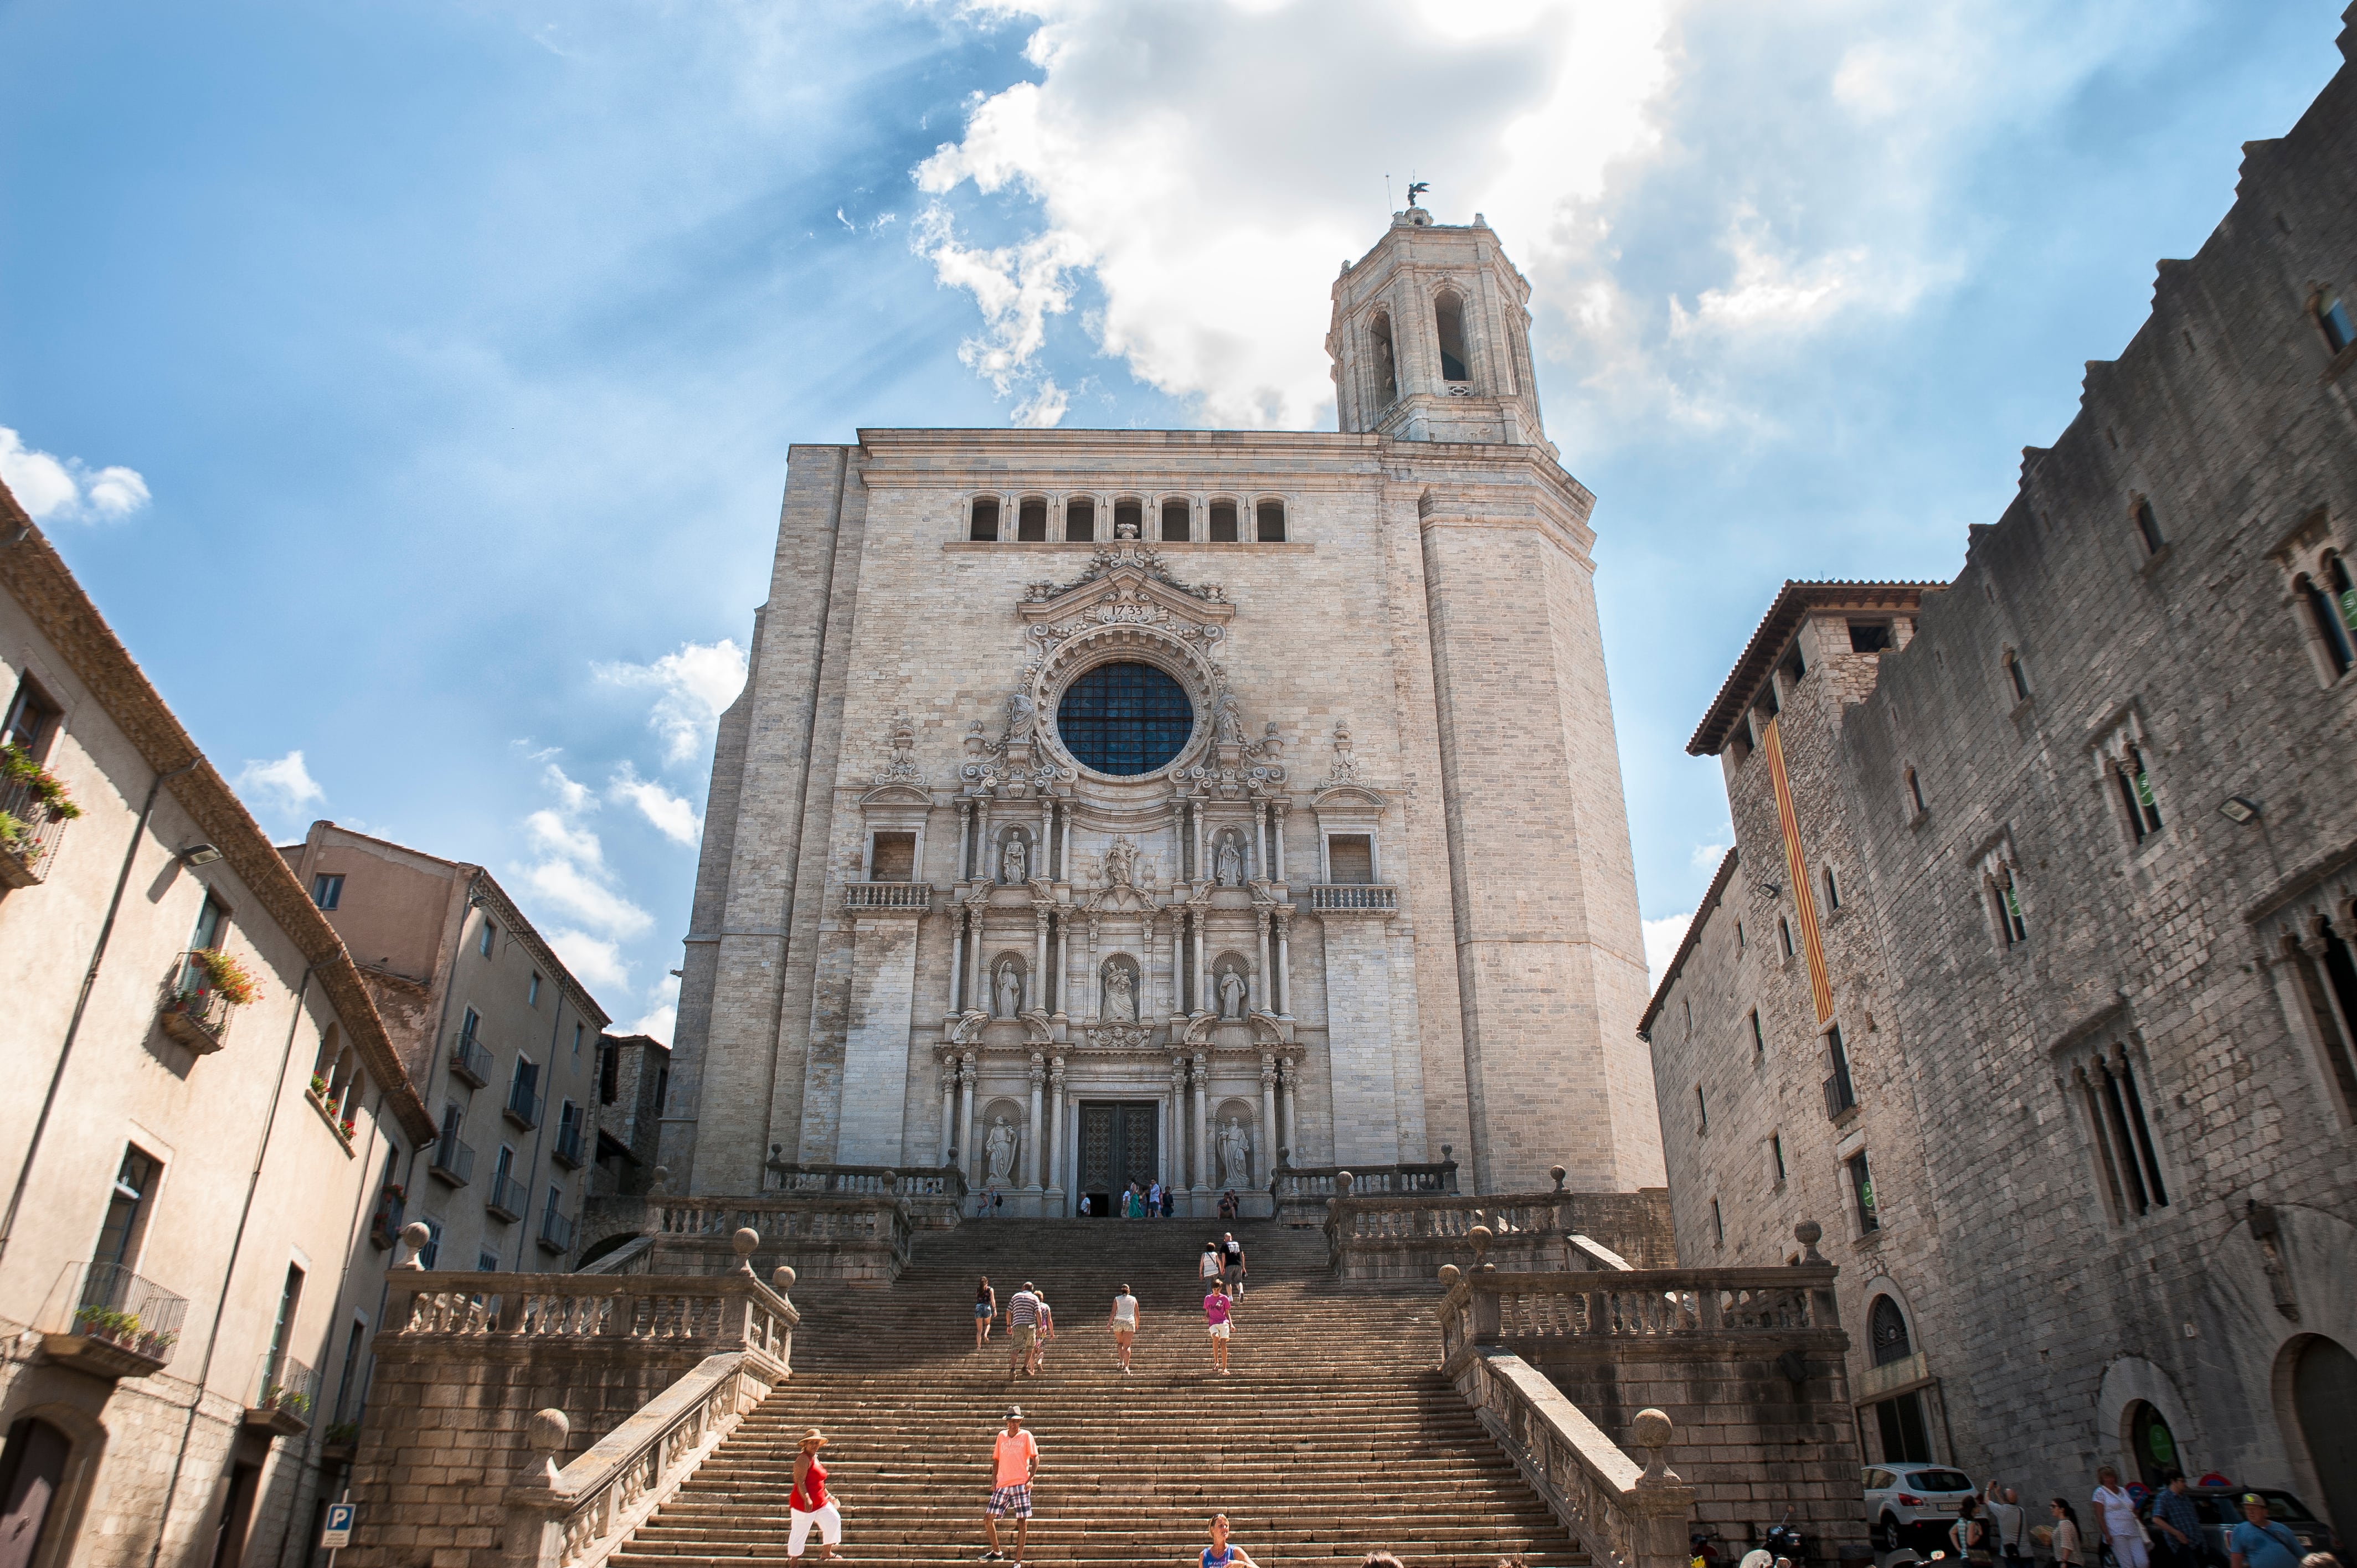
810,1504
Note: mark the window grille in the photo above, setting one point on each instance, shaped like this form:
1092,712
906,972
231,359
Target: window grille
1124,719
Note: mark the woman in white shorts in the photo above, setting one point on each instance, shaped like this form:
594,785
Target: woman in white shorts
810,1505
1124,1326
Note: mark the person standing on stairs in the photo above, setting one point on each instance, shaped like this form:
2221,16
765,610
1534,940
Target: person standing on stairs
809,1503
1217,1315
1047,1332
985,1308
1220,1554
1210,1267
1014,1464
1233,1255
1023,1332
1124,1326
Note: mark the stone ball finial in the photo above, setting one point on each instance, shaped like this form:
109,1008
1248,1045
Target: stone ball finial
1479,1236
663,1180
746,1239
548,1431
1558,1172
781,1279
1808,1233
1342,1180
1652,1430
1449,1275
417,1233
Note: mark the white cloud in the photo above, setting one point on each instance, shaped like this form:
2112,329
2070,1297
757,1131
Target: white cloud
282,788
586,897
1707,856
662,1017
552,835
595,961
63,490
1661,939
670,814
570,796
569,872
693,686
1017,287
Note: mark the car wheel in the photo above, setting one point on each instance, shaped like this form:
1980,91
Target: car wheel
1885,1534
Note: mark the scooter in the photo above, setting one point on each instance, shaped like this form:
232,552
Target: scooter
1781,1540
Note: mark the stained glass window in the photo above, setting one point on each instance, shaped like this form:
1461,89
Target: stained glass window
1124,719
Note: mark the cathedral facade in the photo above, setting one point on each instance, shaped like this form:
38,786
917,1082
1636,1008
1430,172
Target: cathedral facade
1123,805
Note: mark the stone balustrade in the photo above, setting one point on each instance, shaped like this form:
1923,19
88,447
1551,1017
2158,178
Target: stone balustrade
1300,1193
935,1193
844,1222
907,897
1407,1237
1491,1306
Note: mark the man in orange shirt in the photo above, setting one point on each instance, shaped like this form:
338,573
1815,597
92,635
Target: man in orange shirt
1014,1460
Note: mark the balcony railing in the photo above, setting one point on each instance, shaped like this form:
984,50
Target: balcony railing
103,1318
1352,898
1841,1097
470,1059
30,827
507,1198
285,1392
194,1010
384,1225
912,898
567,1151
555,1232
454,1161
523,1106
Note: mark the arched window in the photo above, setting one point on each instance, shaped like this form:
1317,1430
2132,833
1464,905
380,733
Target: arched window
1223,524
1449,316
1031,519
1383,360
1886,1329
1129,517
2332,320
1124,719
1176,517
2148,527
1271,520
2333,607
986,518
1080,519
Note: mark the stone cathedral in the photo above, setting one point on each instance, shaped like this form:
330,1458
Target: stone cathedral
1120,805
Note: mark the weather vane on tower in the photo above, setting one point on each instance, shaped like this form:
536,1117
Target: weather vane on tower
1417,189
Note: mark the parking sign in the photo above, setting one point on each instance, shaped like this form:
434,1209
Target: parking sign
340,1525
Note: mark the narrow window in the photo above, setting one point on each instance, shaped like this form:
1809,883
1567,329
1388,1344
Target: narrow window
31,716
2330,628
608,1071
662,1086
1861,1187
1868,637
1776,1154
2013,673
2135,794
2124,1146
1738,936
1351,857
1915,792
471,1024
2006,901
1702,1111
487,1262
1794,666
1128,519
531,991
1784,934
2148,527
1080,519
1176,517
1717,1223
1271,517
578,1030
2327,975
1759,1039
126,1226
1770,704
1224,522
1385,360
1031,519
352,1366
523,1093
1448,315
2333,317
1832,890
485,940
986,518
212,924
1841,1094
1689,1007
290,1302
327,889
895,858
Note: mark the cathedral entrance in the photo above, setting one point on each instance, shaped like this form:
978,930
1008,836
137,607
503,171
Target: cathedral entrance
1117,1147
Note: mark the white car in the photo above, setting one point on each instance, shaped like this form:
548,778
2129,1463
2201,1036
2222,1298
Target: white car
1911,1506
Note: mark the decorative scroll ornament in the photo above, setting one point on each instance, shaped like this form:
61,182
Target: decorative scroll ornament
1345,766
1125,552
899,765
1234,768
1117,1035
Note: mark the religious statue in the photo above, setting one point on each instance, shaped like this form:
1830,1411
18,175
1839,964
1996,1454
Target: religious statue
1120,863
1235,1155
1021,713
1229,864
1015,862
998,1152
1010,990
1232,992
1228,723
1120,993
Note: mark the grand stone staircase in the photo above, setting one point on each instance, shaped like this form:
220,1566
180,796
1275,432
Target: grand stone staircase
1335,1435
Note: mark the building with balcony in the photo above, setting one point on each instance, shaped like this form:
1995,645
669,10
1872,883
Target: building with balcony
204,1107
499,1037
2029,975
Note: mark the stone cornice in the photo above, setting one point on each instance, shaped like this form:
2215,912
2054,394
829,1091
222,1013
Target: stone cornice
32,572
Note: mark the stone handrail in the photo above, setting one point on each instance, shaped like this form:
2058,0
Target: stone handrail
913,895
634,1256
727,1311
911,1182
1627,1515
1317,1184
1488,1305
1407,1236
1352,898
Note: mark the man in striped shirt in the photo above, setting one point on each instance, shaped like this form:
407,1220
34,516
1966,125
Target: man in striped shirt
1023,1321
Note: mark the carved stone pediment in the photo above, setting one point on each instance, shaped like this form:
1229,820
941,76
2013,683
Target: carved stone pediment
1126,580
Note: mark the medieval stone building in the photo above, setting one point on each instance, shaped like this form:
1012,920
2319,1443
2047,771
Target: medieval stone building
2032,959
1121,805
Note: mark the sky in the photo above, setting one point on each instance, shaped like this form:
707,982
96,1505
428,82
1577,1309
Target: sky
411,384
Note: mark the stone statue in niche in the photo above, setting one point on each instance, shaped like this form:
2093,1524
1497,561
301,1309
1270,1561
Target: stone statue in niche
1020,714
998,1152
1228,724
1120,993
1228,865
1014,862
1010,991
1121,863
1232,992
1235,1155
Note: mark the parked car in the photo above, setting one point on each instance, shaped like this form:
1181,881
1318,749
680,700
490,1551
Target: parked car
1911,1506
2220,1509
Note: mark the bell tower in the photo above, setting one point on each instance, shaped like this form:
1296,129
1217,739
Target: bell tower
1431,339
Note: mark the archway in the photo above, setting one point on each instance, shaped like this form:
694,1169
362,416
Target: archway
32,1473
2324,1391
2152,1446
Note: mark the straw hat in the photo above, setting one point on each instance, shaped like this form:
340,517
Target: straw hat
814,1438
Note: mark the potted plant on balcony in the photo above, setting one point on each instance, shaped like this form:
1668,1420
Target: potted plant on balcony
31,798
224,976
319,1087
342,1441
205,987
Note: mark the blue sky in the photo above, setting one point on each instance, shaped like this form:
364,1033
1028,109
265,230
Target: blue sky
411,384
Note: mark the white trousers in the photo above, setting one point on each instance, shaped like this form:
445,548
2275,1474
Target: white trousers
829,1527
2130,1551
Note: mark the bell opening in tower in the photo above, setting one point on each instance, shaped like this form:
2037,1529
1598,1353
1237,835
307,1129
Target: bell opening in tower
1448,315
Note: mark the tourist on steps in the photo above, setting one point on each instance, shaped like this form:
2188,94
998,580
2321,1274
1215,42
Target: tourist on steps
1014,1463
1209,1266
1023,1331
1124,1326
1153,1200
809,1503
1217,1315
986,1307
1047,1332
1233,1255
1220,1554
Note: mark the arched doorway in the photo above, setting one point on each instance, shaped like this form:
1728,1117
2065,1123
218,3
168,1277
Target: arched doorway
32,1471
2324,1391
2151,1445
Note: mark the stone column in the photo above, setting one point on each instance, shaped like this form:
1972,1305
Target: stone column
1264,1146
1204,1173
1053,1163
1094,996
967,1153
983,870
1282,976
1202,989
965,840
977,983
1259,839
1195,831
1032,1143
1260,997
1292,1083
957,958
1038,986
1063,963
1277,839
948,1108
1064,852
1174,1154
1047,829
